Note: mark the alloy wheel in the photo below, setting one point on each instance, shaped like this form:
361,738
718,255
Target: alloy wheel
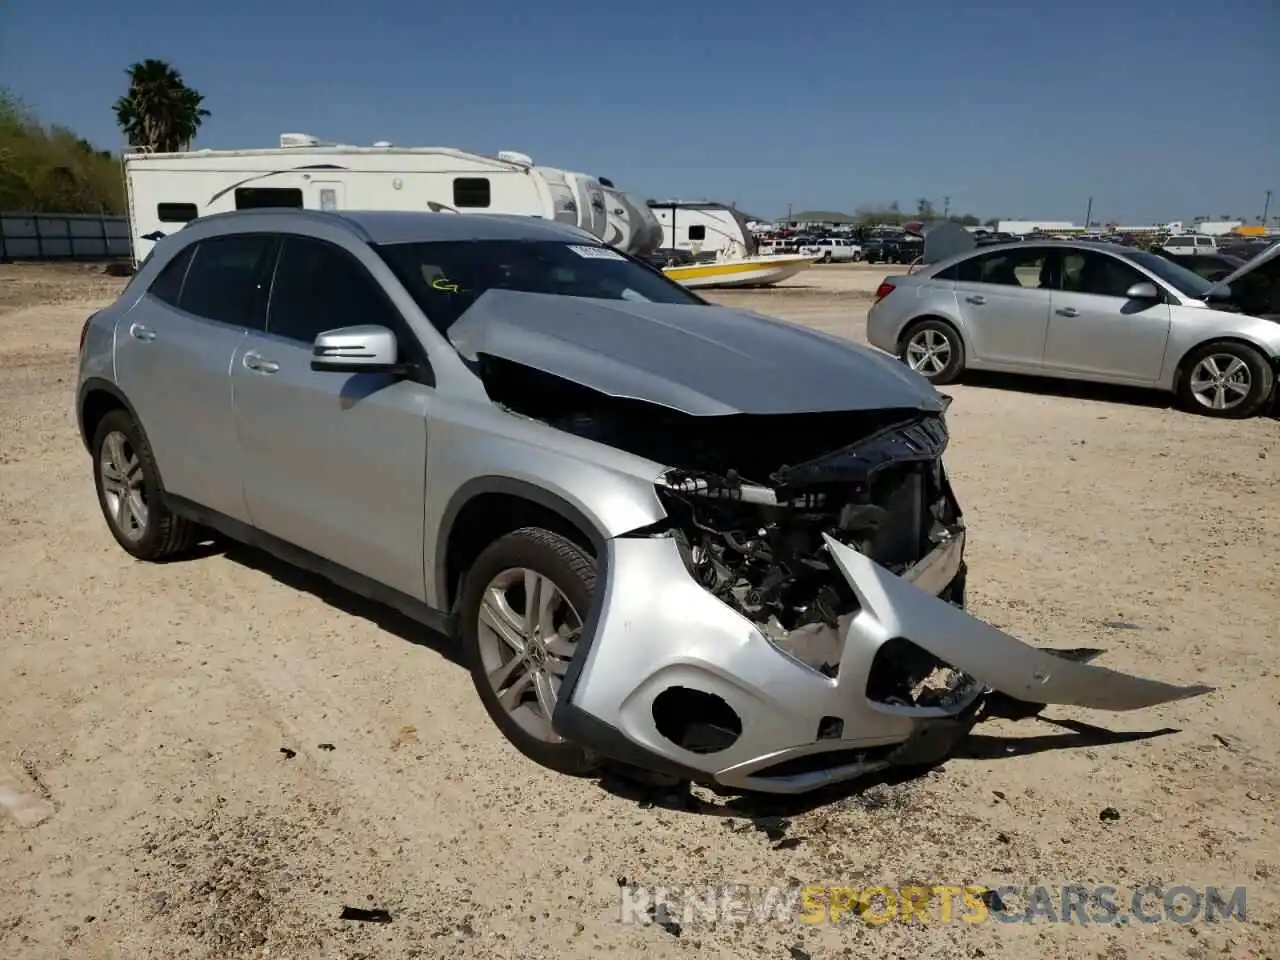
123,491
528,634
1221,381
928,352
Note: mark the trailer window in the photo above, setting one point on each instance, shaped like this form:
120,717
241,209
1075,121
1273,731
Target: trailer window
471,192
253,198
176,212
697,232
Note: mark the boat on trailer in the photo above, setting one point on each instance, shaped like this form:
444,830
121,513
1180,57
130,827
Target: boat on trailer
724,249
741,272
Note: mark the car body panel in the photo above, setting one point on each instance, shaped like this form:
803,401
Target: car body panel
1005,325
175,369
334,463
1136,336
699,360
1002,662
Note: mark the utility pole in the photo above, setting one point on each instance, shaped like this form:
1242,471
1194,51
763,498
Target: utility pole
788,214
1088,214
1266,208
946,207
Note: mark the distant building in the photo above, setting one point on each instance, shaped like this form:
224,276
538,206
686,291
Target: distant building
1022,227
817,219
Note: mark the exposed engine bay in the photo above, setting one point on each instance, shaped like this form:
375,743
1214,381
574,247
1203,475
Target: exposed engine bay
749,499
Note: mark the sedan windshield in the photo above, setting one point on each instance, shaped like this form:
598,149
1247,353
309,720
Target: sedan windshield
446,278
1185,281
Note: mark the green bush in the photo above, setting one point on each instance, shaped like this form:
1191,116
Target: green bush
49,169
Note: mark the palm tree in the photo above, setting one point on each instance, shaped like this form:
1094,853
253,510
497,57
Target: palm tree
160,111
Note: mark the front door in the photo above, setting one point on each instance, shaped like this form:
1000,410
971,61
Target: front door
327,195
1004,298
1095,330
333,463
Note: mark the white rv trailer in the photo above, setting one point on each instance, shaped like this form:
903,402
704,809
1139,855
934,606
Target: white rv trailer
168,190
704,228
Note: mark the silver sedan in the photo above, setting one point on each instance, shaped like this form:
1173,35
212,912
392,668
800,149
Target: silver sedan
1090,311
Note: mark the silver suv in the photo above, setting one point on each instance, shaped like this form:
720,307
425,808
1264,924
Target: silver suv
691,540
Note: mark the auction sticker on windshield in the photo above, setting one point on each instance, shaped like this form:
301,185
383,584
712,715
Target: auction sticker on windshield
596,253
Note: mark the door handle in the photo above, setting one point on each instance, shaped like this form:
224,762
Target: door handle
1067,312
141,332
976,299
257,362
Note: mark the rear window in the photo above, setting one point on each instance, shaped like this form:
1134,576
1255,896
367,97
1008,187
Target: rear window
167,286
227,280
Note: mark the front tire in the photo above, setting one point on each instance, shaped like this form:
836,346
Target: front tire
1226,380
522,613
130,494
933,349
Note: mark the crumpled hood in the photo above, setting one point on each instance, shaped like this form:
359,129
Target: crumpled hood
699,360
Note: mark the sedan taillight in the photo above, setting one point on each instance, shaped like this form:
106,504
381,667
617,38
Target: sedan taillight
884,290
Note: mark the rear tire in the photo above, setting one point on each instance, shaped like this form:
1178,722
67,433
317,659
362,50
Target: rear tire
491,627
130,494
1226,379
933,348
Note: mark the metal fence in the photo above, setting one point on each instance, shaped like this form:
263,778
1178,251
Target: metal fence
62,236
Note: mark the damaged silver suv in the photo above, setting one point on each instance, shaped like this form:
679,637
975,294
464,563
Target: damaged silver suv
686,539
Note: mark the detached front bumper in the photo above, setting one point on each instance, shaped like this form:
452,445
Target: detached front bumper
673,680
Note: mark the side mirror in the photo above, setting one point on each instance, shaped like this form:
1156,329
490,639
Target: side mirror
1146,290
363,349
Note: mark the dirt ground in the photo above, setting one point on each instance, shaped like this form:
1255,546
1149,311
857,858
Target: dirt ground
211,758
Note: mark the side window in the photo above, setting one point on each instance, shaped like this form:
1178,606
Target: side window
167,286
321,287
1008,268
176,212
252,198
227,279
1179,242
471,192
697,232
1097,274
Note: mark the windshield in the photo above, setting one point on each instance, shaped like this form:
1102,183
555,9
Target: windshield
1179,277
446,278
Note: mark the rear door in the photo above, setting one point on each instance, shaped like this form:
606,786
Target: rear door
1095,330
173,357
1003,297
333,463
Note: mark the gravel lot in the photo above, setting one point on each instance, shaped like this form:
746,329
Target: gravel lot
212,758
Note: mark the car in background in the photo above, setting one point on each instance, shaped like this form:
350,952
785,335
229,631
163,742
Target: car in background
898,250
1212,266
1096,312
1187,244
832,250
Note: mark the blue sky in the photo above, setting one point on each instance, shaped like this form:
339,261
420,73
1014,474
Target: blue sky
1155,108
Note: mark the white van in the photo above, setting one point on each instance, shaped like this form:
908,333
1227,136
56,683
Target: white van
1190,243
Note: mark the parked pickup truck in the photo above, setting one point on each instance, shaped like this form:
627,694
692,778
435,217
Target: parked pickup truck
832,250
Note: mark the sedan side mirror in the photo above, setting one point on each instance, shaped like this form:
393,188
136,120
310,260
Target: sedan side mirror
1146,290
362,349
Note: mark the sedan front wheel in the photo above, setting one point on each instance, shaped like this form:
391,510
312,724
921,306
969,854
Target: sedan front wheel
1228,379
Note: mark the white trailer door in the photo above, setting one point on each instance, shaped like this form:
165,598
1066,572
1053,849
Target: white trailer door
327,195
